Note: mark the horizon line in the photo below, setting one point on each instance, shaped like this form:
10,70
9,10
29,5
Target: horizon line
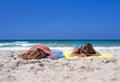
54,39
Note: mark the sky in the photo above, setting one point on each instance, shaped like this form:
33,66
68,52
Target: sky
59,19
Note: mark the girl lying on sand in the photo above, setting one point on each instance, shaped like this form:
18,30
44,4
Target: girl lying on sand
36,52
85,50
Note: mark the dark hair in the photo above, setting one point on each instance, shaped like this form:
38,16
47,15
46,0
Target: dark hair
88,49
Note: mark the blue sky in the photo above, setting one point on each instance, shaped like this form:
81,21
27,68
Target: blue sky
59,19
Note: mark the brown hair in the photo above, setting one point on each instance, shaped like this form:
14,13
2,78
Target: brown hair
88,49
35,54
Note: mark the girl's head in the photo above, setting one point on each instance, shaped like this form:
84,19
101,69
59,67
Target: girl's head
87,48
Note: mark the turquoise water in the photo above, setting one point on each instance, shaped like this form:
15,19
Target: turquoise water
57,44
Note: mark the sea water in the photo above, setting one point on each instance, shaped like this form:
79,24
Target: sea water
58,44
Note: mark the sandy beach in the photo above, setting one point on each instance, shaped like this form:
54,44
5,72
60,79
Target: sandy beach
14,69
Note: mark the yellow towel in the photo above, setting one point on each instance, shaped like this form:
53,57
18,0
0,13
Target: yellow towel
67,55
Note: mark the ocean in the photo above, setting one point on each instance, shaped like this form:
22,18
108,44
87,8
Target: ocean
58,44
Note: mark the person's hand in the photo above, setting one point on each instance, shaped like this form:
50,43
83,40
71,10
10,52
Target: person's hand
53,54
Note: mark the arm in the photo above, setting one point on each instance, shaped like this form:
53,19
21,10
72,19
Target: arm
43,47
97,54
75,52
46,50
49,53
30,50
80,55
71,55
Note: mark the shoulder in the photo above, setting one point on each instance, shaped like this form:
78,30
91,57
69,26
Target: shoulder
76,50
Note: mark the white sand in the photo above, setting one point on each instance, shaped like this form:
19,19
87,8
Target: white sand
62,70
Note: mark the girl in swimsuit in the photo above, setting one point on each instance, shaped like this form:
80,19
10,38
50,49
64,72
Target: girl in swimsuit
85,50
36,52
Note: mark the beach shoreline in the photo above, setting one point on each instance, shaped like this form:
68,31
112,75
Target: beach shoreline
14,69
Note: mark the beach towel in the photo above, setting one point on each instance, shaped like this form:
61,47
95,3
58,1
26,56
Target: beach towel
58,53
67,55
